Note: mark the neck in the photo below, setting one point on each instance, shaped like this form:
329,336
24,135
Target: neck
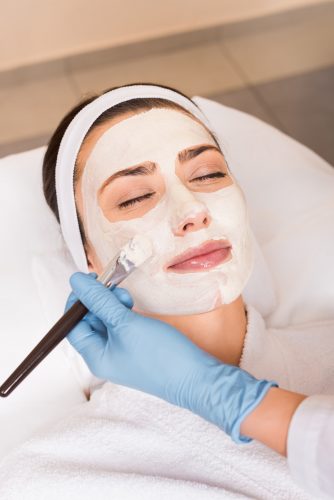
220,332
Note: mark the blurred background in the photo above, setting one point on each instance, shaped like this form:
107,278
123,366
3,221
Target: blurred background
271,58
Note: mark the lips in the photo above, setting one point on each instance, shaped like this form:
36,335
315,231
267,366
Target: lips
201,258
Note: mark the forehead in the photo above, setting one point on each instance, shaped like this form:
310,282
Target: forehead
154,135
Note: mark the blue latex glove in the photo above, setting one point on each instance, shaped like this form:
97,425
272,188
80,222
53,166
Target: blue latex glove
149,355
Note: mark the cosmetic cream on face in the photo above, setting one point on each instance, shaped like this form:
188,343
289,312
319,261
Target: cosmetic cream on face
157,136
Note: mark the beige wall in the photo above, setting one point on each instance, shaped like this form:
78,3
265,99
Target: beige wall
39,30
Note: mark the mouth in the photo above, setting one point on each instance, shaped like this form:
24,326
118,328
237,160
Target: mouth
206,256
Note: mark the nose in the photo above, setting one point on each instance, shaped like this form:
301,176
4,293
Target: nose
188,213
192,223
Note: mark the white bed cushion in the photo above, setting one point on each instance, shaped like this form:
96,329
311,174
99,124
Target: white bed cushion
35,265
50,390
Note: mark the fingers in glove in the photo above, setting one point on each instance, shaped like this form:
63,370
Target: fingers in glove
124,297
98,299
72,298
121,293
88,336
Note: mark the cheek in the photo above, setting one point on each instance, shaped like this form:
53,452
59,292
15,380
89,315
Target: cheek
154,225
227,207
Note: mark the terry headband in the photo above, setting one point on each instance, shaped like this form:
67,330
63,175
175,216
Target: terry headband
71,144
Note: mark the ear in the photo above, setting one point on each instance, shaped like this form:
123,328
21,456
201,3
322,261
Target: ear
91,267
93,261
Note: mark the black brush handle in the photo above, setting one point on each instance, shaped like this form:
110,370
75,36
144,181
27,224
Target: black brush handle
54,336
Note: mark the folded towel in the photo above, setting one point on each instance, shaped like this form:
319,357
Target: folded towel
124,444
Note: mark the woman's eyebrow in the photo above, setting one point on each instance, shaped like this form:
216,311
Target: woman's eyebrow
146,168
149,167
190,153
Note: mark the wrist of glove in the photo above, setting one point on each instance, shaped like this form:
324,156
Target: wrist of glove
224,395
149,355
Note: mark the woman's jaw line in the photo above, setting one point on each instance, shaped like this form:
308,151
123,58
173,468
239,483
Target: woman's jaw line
219,308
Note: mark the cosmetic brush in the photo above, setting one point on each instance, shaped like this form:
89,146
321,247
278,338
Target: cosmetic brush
132,255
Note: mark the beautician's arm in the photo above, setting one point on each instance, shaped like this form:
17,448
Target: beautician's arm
270,421
302,428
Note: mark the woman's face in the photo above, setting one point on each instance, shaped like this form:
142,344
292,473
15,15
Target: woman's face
160,173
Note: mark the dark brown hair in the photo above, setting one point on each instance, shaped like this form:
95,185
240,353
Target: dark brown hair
50,157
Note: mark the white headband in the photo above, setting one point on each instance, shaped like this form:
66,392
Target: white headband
70,146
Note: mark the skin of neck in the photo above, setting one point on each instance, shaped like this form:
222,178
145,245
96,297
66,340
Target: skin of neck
220,332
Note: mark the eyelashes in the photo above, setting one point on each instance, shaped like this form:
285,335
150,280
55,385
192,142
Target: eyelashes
129,203
213,175
139,199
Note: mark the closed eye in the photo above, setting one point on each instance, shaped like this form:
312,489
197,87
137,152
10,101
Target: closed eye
213,175
133,201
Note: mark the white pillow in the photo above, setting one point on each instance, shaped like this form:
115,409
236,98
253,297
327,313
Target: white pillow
28,229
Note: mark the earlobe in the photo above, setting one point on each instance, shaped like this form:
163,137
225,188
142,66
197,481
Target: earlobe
89,259
91,268
92,261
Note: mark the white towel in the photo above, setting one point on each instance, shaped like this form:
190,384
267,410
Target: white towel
124,444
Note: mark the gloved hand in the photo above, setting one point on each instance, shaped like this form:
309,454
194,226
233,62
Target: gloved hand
152,356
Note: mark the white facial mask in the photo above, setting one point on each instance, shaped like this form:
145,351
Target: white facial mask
159,135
